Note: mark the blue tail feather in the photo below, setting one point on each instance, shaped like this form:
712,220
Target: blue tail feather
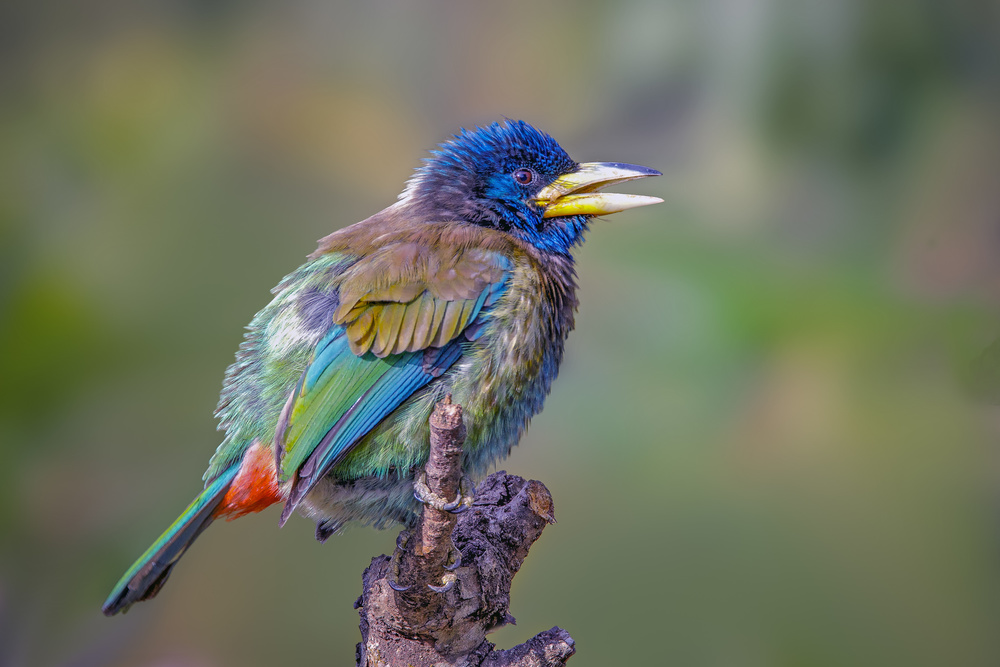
146,576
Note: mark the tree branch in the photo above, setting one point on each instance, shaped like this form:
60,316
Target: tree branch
447,583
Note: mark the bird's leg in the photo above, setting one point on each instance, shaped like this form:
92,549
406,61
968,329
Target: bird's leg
463,500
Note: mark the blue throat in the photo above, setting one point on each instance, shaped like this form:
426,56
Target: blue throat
553,235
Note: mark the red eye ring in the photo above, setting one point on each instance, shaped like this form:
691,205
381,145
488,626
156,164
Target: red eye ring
524,176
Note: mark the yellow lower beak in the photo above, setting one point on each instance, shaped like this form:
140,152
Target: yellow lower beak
576,193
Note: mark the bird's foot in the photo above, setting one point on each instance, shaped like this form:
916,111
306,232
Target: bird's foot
447,581
463,500
393,578
453,562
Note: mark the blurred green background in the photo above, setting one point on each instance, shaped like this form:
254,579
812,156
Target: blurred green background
774,440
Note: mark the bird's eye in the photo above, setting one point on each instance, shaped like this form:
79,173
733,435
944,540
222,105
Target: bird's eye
524,176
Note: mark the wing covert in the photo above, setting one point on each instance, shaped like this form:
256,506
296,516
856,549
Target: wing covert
402,300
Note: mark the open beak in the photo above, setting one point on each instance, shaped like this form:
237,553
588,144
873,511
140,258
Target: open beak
576,193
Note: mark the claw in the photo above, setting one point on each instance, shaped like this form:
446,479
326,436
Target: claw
456,563
449,580
402,540
453,505
396,587
455,556
466,495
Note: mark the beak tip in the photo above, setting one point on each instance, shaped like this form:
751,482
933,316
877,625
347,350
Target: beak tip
635,170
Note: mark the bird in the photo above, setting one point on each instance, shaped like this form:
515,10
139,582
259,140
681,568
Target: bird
466,285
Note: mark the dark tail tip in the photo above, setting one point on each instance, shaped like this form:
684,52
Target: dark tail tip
129,596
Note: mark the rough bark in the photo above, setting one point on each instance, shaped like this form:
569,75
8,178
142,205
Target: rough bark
470,559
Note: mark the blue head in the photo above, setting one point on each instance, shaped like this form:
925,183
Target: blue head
516,179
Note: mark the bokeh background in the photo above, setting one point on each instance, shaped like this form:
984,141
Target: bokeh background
774,440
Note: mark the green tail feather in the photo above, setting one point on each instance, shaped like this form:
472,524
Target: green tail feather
146,576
